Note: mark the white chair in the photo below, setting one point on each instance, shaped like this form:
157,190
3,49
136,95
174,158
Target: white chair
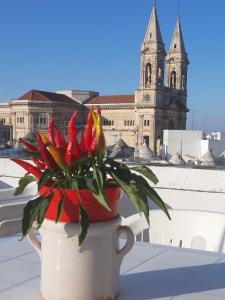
6,195
195,229
10,227
10,218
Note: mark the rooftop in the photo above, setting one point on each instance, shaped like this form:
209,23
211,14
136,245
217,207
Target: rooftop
37,95
113,99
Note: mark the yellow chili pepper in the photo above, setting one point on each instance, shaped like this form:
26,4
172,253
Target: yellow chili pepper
101,145
52,149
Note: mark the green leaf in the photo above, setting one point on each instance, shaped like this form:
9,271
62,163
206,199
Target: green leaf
84,161
146,172
32,154
151,193
85,183
130,189
74,185
34,210
45,178
23,183
99,188
124,171
42,209
60,208
29,215
84,223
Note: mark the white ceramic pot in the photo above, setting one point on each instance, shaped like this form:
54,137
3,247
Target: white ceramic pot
88,272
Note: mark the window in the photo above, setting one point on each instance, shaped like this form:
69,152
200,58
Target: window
41,121
173,79
183,82
146,123
129,123
20,120
175,46
148,74
171,125
108,122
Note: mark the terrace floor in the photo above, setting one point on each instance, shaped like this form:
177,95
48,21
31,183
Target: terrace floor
147,272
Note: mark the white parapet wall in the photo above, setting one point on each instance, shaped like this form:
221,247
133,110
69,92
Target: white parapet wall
179,187
9,168
186,188
10,174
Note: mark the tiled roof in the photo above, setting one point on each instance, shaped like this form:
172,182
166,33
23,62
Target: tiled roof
42,96
112,99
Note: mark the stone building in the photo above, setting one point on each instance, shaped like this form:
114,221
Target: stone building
160,102
34,109
5,124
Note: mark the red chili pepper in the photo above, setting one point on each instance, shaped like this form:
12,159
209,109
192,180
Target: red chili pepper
60,141
38,163
69,153
76,148
71,126
29,146
93,146
28,167
51,132
46,156
72,137
82,145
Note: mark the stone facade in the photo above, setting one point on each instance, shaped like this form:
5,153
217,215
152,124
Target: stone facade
33,111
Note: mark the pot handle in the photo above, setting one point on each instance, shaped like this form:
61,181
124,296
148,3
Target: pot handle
129,243
35,243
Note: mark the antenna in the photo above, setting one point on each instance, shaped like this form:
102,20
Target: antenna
154,3
178,9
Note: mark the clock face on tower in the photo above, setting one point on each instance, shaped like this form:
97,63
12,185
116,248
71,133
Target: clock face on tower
146,97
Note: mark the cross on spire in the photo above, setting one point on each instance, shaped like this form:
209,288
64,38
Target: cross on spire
178,8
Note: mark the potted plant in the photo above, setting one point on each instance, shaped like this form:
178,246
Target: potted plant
77,210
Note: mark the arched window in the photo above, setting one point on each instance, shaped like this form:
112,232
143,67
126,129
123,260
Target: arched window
183,83
160,73
171,125
148,74
173,79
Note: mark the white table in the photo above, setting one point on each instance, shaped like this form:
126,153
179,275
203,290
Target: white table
148,272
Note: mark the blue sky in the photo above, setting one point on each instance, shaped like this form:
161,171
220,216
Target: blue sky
94,44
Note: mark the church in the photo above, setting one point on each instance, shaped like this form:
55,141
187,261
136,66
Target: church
159,103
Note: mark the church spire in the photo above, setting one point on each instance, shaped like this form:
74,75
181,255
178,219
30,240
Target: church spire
152,62
177,43
177,61
153,34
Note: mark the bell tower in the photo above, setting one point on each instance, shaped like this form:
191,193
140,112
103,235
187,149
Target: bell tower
177,61
152,63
